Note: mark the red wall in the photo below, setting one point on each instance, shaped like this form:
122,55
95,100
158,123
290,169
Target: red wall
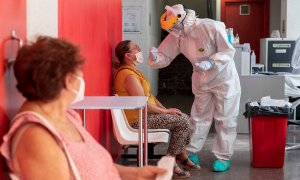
95,26
12,17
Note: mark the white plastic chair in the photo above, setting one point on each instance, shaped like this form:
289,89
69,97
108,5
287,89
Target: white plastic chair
126,135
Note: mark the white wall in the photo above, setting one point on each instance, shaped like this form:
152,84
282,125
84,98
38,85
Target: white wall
218,10
275,9
290,23
42,18
149,36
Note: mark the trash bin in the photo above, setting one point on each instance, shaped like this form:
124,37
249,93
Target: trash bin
267,134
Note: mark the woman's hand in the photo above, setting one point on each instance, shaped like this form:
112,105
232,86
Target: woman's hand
173,111
139,173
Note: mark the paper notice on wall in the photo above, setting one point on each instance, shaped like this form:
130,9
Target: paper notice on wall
131,19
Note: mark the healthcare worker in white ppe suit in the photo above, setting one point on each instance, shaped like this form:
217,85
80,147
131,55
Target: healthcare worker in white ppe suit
215,82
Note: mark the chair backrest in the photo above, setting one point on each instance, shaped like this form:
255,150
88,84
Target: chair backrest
123,132
126,135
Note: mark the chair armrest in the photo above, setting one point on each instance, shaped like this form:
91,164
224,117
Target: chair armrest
158,130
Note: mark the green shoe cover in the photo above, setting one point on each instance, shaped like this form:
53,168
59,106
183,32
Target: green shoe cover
220,166
194,158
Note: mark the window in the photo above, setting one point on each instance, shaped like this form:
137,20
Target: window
245,9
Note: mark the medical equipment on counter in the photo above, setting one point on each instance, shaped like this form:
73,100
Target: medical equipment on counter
230,35
256,68
253,58
237,39
276,54
242,59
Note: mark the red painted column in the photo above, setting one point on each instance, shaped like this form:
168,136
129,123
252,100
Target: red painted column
95,26
12,17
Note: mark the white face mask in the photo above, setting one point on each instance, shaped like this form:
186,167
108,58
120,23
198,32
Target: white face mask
80,92
139,58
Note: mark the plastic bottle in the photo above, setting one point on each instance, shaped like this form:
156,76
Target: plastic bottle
229,38
253,58
237,39
230,35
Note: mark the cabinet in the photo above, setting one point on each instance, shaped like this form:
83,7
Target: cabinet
276,54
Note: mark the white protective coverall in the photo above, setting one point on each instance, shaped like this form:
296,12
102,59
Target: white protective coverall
217,90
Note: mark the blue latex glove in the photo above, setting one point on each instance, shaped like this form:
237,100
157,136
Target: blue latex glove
205,65
153,53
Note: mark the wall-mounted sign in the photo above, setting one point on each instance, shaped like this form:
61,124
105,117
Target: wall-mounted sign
131,19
